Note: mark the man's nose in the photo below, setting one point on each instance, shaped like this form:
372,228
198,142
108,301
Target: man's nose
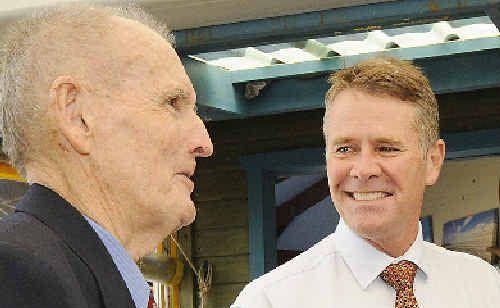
365,167
201,144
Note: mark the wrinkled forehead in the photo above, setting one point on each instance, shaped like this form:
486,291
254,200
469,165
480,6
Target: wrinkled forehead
132,33
132,43
137,54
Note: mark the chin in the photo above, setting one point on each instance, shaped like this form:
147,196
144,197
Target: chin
367,230
367,226
378,231
189,220
189,215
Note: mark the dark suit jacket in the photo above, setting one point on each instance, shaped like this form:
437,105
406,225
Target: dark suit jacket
51,257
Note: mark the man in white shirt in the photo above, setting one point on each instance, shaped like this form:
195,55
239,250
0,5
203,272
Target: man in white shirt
381,129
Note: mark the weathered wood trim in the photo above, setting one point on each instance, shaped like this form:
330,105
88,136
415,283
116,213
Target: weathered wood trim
208,242
208,186
228,269
262,222
221,214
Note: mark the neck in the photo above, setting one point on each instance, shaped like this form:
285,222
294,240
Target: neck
396,245
84,191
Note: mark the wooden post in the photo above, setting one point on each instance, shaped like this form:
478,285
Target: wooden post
262,222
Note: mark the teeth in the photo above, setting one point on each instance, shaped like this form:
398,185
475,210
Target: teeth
369,196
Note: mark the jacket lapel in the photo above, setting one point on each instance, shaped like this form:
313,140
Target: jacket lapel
69,224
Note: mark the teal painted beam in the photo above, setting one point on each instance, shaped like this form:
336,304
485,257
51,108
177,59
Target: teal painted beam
286,95
287,70
457,73
304,161
337,63
463,72
451,67
325,23
215,94
472,144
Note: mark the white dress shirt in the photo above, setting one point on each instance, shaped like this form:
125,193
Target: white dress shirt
342,271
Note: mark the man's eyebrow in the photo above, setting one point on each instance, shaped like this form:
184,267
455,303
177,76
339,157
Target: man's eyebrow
341,140
386,140
177,92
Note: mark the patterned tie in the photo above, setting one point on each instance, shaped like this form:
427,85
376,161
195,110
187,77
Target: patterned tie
401,276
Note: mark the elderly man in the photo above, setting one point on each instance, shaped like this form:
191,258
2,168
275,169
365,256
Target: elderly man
382,150
99,116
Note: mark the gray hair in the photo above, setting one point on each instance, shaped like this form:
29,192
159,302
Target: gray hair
63,32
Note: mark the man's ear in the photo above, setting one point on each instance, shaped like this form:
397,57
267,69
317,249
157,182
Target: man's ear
65,97
434,161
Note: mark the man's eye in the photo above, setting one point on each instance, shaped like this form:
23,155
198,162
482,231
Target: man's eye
388,149
174,102
342,149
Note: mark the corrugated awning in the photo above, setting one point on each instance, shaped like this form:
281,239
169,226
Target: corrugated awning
354,44
457,55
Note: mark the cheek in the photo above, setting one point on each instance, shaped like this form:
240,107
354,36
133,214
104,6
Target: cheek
330,174
408,179
336,171
406,174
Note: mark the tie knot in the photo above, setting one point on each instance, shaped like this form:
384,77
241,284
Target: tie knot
400,276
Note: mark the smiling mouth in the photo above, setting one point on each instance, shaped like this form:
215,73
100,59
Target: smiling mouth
368,196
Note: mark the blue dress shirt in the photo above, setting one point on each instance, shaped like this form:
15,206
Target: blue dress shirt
130,272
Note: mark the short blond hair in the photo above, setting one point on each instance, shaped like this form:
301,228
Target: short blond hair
394,78
37,48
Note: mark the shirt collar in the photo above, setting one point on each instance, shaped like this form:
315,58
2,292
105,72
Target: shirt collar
366,262
138,287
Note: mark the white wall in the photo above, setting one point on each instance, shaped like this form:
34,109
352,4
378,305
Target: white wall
465,187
